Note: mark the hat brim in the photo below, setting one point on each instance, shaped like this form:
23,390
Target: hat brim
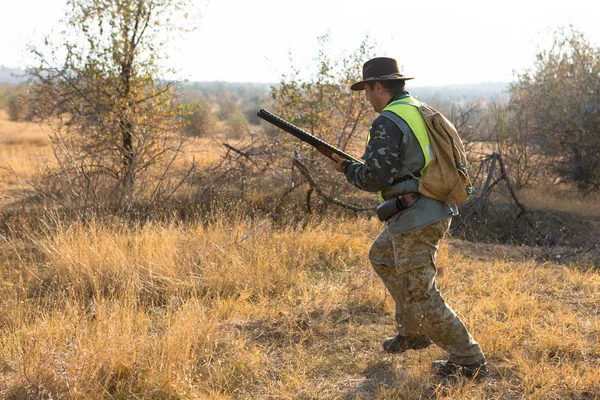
361,85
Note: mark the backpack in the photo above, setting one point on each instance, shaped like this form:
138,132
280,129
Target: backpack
446,178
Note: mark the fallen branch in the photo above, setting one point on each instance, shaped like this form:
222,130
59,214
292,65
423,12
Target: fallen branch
314,187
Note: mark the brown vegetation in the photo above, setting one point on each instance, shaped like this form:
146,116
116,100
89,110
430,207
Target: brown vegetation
161,249
240,307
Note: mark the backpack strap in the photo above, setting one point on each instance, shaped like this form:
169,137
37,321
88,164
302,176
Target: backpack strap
405,128
396,119
410,104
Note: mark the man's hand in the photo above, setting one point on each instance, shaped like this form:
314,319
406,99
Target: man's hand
337,162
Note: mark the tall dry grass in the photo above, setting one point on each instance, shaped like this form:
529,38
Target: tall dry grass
24,149
28,163
238,309
561,197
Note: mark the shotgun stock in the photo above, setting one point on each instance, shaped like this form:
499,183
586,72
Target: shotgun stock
323,147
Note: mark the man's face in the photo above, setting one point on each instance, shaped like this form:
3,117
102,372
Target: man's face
373,95
368,93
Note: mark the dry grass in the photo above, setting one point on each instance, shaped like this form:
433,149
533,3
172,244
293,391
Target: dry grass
239,310
25,152
24,149
561,197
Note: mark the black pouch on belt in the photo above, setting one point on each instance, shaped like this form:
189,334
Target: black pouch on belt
389,208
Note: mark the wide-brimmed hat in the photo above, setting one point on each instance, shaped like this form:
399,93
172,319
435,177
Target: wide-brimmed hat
380,69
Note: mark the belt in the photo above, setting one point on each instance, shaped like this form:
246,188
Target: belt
391,207
408,199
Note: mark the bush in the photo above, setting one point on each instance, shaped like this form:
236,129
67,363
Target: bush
237,125
14,107
14,100
200,119
560,102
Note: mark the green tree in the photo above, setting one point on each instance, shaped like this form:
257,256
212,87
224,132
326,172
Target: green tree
559,106
115,124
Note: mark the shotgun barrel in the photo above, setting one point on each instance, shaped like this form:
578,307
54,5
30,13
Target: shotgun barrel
323,147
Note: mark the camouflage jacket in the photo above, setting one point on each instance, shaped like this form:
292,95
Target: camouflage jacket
383,157
392,148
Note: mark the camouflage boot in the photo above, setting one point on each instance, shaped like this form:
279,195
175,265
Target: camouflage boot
445,369
400,344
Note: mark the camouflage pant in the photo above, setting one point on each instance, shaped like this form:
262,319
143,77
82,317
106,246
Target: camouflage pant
406,264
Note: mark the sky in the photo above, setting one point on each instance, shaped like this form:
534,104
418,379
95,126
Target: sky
438,42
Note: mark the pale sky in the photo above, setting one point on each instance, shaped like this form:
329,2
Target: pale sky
439,42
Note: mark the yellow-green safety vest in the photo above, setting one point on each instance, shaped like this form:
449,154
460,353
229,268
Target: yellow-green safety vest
406,108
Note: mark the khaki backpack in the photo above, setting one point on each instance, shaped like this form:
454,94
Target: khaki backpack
446,178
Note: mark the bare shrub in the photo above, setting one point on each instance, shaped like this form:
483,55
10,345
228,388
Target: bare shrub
237,126
509,128
200,119
116,130
560,101
14,99
324,105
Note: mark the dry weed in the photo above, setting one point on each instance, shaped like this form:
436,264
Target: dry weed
239,309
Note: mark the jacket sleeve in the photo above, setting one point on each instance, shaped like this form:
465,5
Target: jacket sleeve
382,158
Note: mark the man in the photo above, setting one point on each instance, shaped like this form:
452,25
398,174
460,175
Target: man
404,253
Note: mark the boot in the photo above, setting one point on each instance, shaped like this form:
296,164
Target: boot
400,344
476,370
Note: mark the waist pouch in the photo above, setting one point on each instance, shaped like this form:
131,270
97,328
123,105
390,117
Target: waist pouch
389,208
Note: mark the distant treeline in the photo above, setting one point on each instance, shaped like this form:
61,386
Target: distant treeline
236,103
237,89
459,93
11,75
248,97
254,93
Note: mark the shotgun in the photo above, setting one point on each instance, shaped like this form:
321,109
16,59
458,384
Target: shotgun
323,147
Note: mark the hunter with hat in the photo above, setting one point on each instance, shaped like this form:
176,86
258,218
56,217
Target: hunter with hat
404,253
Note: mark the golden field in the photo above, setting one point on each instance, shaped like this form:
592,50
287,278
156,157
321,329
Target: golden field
24,148
234,307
